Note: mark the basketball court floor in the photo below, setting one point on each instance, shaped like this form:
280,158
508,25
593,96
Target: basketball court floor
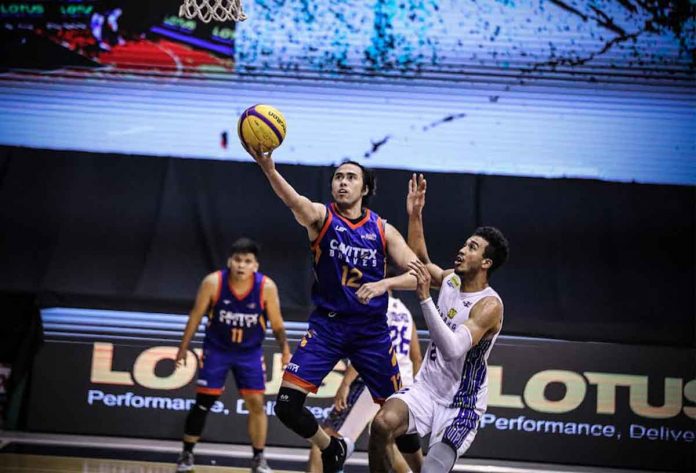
22,452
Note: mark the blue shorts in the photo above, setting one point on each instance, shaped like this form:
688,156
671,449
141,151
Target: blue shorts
248,368
362,339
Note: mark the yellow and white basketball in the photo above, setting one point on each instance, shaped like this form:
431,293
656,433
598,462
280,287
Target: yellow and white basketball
261,127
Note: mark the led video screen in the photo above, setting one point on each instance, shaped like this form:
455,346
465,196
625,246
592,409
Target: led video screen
544,88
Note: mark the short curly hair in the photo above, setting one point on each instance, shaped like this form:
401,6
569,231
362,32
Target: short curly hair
498,248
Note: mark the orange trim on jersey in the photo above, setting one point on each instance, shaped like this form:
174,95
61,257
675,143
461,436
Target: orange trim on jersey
213,391
219,290
246,294
352,226
322,232
382,233
263,301
294,379
252,391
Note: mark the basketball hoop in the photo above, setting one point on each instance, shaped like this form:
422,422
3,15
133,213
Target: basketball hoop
207,10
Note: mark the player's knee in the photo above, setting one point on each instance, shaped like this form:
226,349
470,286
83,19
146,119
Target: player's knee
195,421
205,401
287,401
290,410
383,424
408,443
255,404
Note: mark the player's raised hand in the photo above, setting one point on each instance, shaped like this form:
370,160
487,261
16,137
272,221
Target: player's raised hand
422,275
262,158
415,200
370,290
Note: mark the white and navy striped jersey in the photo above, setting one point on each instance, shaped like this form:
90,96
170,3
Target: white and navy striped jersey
400,323
462,382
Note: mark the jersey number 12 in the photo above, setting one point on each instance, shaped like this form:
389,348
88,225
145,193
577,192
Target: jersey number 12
351,276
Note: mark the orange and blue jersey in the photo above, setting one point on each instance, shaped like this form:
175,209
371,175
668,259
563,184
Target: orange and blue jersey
346,256
237,322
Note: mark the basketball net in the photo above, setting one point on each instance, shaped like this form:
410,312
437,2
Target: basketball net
207,10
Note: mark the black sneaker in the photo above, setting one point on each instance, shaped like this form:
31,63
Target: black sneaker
334,455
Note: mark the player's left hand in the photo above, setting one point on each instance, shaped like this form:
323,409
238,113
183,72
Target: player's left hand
415,200
181,355
370,290
341,399
286,358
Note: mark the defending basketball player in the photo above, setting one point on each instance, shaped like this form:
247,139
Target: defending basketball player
449,394
237,300
350,244
353,406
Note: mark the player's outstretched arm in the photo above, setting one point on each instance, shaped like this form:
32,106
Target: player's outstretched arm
453,345
415,202
204,298
271,302
307,213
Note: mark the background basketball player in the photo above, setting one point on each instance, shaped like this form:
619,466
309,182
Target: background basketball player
238,300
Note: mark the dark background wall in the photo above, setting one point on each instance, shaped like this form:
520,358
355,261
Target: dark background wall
590,260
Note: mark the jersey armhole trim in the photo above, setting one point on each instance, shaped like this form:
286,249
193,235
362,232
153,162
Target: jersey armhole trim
382,233
324,229
262,301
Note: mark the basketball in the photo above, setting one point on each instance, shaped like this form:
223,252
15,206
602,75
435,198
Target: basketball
261,127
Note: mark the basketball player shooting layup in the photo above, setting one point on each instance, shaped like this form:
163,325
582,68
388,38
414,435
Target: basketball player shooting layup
350,244
450,391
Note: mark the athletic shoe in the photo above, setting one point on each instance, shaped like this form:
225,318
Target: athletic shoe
334,456
185,462
259,465
350,447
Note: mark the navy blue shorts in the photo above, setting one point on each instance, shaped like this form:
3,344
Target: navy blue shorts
248,368
364,340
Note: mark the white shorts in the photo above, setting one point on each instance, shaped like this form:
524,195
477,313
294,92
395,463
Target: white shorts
452,425
360,412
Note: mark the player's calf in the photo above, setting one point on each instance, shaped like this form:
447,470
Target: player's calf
440,459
